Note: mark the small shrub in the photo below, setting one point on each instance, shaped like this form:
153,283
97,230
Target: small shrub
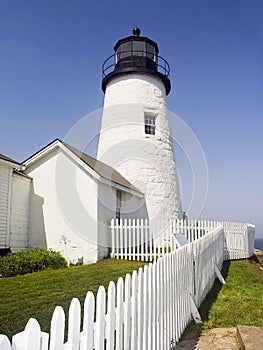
28,261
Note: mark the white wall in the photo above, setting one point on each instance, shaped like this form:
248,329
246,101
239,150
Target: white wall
69,206
5,203
20,212
147,161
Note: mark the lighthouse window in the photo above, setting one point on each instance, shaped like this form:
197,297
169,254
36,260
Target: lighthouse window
124,50
150,51
149,124
138,48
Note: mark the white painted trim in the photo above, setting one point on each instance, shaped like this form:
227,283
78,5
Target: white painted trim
42,153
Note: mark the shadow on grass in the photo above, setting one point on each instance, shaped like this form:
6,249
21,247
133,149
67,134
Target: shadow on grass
193,330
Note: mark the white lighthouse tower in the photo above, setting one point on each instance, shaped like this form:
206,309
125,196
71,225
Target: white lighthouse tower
135,135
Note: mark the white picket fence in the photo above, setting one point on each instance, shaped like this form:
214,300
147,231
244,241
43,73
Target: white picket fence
148,310
239,240
238,237
132,239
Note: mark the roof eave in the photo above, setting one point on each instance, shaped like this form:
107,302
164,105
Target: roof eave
11,164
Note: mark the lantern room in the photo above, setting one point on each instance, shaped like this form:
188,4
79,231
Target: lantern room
136,54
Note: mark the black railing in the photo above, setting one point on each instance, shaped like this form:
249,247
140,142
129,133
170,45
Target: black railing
141,59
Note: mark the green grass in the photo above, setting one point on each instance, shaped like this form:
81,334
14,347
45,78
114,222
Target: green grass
238,302
36,295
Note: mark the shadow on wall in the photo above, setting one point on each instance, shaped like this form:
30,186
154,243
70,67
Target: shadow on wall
37,231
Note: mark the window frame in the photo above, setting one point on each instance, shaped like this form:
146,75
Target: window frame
149,124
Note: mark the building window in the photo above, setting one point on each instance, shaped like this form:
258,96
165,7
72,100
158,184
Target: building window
118,204
149,124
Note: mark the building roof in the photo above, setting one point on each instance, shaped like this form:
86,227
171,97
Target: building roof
7,159
104,170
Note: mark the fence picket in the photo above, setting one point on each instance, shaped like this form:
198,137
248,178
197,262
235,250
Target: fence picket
145,306
74,325
4,342
121,239
30,338
149,292
140,309
134,313
154,307
57,329
138,246
100,319
110,319
119,315
87,337
129,237
125,239
113,238
127,311
158,306
134,245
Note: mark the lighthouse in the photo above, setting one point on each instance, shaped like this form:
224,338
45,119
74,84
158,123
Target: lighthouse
135,136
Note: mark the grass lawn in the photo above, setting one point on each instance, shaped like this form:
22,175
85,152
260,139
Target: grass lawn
36,295
238,302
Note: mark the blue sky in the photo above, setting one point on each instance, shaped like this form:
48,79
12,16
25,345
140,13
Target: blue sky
50,77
